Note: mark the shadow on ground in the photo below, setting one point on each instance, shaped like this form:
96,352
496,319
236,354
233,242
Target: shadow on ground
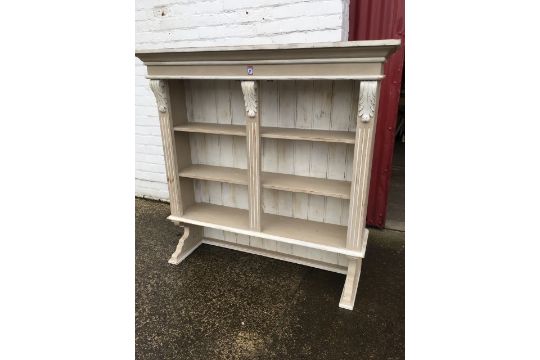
223,304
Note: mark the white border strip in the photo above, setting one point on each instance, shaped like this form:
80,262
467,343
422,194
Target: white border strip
269,62
269,77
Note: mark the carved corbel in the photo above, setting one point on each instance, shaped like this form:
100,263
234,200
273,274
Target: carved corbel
367,100
249,88
160,90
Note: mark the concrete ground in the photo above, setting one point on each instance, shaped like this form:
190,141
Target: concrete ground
395,212
223,304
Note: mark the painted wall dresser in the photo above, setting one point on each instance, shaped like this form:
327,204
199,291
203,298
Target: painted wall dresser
268,148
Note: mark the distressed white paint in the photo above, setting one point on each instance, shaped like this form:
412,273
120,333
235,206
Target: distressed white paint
210,103
326,105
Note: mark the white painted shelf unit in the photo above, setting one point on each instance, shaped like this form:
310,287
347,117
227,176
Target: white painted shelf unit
268,149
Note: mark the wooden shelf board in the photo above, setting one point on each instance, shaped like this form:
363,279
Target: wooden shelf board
285,182
312,234
332,136
212,128
215,173
305,184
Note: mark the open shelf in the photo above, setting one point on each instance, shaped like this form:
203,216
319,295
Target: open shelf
215,173
285,182
211,128
332,136
307,233
309,185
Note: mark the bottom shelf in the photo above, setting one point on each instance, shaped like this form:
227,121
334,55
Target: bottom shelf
317,235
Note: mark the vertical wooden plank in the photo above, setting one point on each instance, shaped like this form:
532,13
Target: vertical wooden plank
332,214
300,209
238,115
269,155
189,100
322,104
322,110
316,208
303,120
319,160
304,104
208,101
224,116
214,191
336,161
205,193
240,193
341,105
285,154
197,98
226,152
189,110
256,242
269,110
302,157
238,110
269,103
269,117
269,203
197,191
333,209
349,158
198,141
287,104
212,149
345,205
339,119
251,100
242,239
228,200
223,102
213,233
365,128
354,104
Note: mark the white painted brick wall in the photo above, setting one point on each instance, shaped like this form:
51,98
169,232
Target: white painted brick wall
189,23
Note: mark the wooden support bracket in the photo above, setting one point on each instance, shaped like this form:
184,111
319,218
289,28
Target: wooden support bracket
190,240
353,277
351,284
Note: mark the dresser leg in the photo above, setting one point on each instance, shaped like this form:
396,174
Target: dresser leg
189,241
351,284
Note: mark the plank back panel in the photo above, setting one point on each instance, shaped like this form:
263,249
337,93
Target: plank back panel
302,104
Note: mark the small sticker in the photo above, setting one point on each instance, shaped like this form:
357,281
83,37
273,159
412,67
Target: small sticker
250,70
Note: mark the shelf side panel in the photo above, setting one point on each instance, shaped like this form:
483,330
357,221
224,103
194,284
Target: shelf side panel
361,171
161,90
252,105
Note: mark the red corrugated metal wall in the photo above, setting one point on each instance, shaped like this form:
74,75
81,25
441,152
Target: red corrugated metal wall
376,20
